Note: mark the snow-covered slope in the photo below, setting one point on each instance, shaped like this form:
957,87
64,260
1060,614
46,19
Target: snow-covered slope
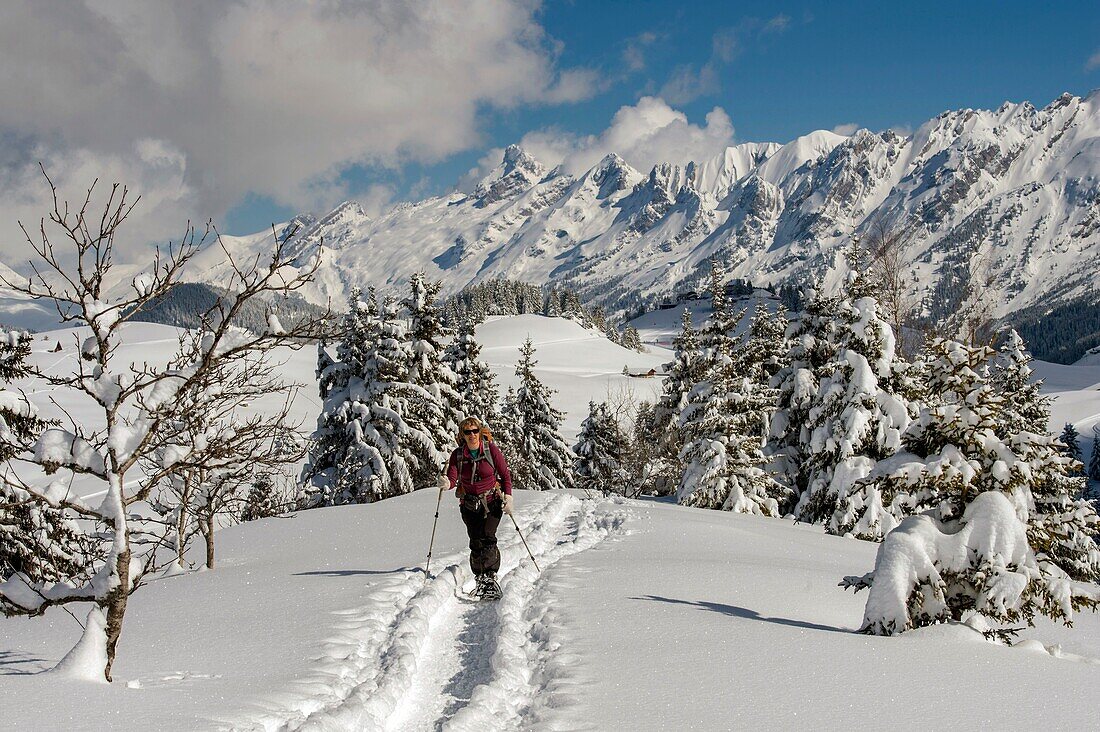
645,616
1012,195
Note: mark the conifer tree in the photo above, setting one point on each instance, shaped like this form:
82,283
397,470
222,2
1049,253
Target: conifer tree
477,389
814,344
439,413
722,426
325,468
724,423
263,499
856,418
509,436
1002,532
538,427
1069,442
36,539
1094,459
765,351
372,441
1025,408
719,327
684,371
631,339
601,453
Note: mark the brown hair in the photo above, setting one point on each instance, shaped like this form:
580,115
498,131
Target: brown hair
473,422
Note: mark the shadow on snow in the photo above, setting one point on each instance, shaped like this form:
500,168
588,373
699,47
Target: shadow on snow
741,612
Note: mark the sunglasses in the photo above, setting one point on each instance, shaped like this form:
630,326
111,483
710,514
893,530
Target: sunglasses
470,432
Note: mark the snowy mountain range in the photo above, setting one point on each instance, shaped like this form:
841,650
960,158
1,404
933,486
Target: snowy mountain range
1015,191
1012,194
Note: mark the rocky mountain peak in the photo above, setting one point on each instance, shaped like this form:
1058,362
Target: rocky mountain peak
517,172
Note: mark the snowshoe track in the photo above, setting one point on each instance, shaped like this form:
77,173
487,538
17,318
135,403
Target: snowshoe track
417,657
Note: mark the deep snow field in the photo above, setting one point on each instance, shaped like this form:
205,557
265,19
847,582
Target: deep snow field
645,615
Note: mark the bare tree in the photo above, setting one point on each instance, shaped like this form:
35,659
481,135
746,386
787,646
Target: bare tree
887,246
217,449
973,321
141,407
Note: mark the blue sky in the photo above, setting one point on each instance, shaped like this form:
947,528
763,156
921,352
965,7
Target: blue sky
780,70
248,111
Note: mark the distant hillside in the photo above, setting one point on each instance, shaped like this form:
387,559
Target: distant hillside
185,303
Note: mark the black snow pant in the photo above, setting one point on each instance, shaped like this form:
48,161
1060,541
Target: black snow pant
482,519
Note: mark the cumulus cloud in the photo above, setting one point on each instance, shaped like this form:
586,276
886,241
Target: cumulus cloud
152,169
644,134
272,97
847,129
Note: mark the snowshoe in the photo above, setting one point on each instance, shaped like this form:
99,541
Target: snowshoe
488,588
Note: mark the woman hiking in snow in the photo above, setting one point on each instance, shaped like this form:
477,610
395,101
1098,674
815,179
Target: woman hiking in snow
477,467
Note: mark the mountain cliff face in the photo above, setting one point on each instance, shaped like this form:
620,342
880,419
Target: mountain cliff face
1014,193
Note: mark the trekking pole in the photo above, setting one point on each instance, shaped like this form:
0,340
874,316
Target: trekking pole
516,524
438,501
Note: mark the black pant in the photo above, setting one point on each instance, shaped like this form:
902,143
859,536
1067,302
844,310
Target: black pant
481,524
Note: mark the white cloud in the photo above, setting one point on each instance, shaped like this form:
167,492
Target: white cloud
847,129
1093,62
151,168
634,51
778,24
688,84
275,98
644,134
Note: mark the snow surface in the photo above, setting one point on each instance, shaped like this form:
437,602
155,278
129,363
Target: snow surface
645,616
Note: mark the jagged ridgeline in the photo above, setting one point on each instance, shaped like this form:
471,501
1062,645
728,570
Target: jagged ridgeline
185,304
998,208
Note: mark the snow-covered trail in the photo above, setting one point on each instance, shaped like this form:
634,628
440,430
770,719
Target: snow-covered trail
419,657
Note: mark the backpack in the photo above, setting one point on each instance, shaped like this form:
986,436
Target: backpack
486,453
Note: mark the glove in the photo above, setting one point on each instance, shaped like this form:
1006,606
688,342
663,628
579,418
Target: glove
443,483
507,501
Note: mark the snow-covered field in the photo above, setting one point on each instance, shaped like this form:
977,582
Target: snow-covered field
645,615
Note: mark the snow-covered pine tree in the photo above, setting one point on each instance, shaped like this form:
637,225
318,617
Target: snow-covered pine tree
366,449
509,436
1069,442
601,453
1025,407
1002,532
631,339
393,450
723,425
264,499
552,308
439,414
813,336
538,426
856,418
684,371
765,350
331,441
1094,459
36,539
476,384
717,331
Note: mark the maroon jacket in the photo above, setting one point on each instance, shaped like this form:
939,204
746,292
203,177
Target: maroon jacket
478,476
